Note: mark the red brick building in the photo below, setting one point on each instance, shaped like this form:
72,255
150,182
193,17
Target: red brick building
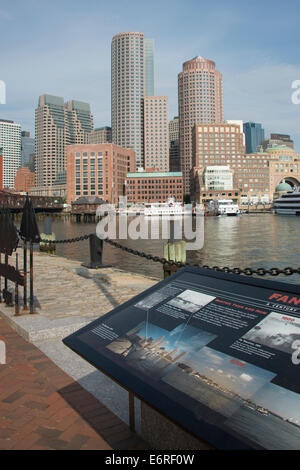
97,170
151,186
24,179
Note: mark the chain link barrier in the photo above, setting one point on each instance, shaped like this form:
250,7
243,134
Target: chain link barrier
157,259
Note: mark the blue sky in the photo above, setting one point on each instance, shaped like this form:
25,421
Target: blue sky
63,48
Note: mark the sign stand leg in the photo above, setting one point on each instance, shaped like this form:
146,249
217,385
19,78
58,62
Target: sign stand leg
131,412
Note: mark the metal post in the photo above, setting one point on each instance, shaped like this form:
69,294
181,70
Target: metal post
131,412
96,251
17,291
31,301
25,275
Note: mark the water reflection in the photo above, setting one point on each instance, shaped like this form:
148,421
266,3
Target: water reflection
264,240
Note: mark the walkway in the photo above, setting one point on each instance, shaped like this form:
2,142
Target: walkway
41,407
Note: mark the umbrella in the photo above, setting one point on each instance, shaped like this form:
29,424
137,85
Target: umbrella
8,233
29,231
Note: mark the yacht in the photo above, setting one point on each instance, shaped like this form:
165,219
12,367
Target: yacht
288,203
169,208
227,207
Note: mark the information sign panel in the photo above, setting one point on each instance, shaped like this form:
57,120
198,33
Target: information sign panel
217,353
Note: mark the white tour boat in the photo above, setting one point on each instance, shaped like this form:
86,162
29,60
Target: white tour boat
169,208
227,207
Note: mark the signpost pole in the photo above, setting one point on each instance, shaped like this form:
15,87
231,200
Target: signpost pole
131,412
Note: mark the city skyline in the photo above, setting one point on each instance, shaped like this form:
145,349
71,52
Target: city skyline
257,72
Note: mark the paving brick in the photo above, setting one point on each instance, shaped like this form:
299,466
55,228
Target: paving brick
43,408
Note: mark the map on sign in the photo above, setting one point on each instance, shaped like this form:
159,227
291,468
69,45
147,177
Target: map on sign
212,351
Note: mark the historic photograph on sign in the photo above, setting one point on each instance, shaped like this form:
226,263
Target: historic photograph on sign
156,351
271,418
217,380
191,301
157,297
276,331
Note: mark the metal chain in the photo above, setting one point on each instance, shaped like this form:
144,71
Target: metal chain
69,240
157,259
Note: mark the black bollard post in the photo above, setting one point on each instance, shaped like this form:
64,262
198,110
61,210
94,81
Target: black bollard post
96,252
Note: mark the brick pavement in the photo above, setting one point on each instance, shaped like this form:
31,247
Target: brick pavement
41,407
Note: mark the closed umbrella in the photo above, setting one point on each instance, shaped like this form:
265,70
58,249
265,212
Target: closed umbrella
29,232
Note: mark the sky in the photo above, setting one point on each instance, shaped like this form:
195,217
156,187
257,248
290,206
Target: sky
63,48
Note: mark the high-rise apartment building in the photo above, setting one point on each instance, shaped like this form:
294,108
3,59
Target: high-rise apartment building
156,138
174,160
27,149
131,80
10,142
200,100
101,135
58,124
254,134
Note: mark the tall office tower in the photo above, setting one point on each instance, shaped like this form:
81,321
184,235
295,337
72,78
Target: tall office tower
130,62
149,66
254,134
200,100
27,149
174,160
58,124
10,142
101,135
156,139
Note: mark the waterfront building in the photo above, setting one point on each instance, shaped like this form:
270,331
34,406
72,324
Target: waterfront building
156,138
58,191
27,150
255,176
24,180
57,125
101,135
97,170
217,144
10,142
154,186
254,134
200,100
174,160
218,177
131,79
223,144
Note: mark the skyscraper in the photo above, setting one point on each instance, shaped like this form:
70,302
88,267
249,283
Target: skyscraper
254,134
156,139
131,80
10,142
149,66
174,161
58,124
27,150
200,100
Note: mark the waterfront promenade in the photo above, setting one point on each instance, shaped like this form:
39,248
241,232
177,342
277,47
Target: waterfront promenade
49,397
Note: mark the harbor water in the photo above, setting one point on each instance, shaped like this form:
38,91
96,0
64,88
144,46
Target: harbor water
248,240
